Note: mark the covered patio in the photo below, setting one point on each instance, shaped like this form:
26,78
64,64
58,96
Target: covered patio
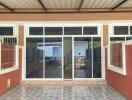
65,49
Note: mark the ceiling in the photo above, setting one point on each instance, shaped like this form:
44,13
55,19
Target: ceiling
55,6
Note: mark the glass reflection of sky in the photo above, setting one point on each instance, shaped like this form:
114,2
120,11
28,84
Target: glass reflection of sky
42,45
51,49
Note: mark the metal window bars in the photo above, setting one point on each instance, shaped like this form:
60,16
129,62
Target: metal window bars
8,52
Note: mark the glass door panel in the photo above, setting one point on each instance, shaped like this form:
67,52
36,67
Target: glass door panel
82,57
44,57
34,58
53,58
67,47
96,57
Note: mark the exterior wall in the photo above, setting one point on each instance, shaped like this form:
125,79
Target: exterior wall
120,82
21,36
105,35
14,76
65,16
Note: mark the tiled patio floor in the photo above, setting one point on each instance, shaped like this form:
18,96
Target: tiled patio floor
63,92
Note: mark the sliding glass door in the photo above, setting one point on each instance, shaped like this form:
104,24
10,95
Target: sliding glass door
34,58
50,57
97,57
68,52
82,57
87,57
43,57
67,45
53,58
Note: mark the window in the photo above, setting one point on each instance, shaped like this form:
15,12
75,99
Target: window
131,30
6,31
72,30
120,30
90,30
120,36
116,51
116,55
35,30
7,55
128,38
53,30
8,50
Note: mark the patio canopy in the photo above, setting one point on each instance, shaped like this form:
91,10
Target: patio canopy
55,6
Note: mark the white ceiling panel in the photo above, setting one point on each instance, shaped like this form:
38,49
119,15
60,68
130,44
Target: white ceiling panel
58,4
128,4
29,4
64,4
100,3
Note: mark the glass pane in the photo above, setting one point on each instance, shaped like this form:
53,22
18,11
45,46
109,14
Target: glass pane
90,30
82,58
96,57
36,30
53,30
116,39
130,29
72,30
53,57
6,30
67,42
128,38
120,30
34,58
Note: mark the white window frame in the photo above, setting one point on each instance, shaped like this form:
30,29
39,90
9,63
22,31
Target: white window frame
120,70
65,24
117,69
15,34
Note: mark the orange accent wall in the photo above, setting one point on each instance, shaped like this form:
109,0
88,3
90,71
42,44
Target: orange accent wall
120,82
21,36
105,35
15,76
65,16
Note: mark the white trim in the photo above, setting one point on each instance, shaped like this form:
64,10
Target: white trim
0,56
9,70
43,52
92,54
62,58
57,23
102,58
73,65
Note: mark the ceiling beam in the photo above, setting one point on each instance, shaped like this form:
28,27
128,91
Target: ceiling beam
65,12
121,3
7,7
41,3
80,5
